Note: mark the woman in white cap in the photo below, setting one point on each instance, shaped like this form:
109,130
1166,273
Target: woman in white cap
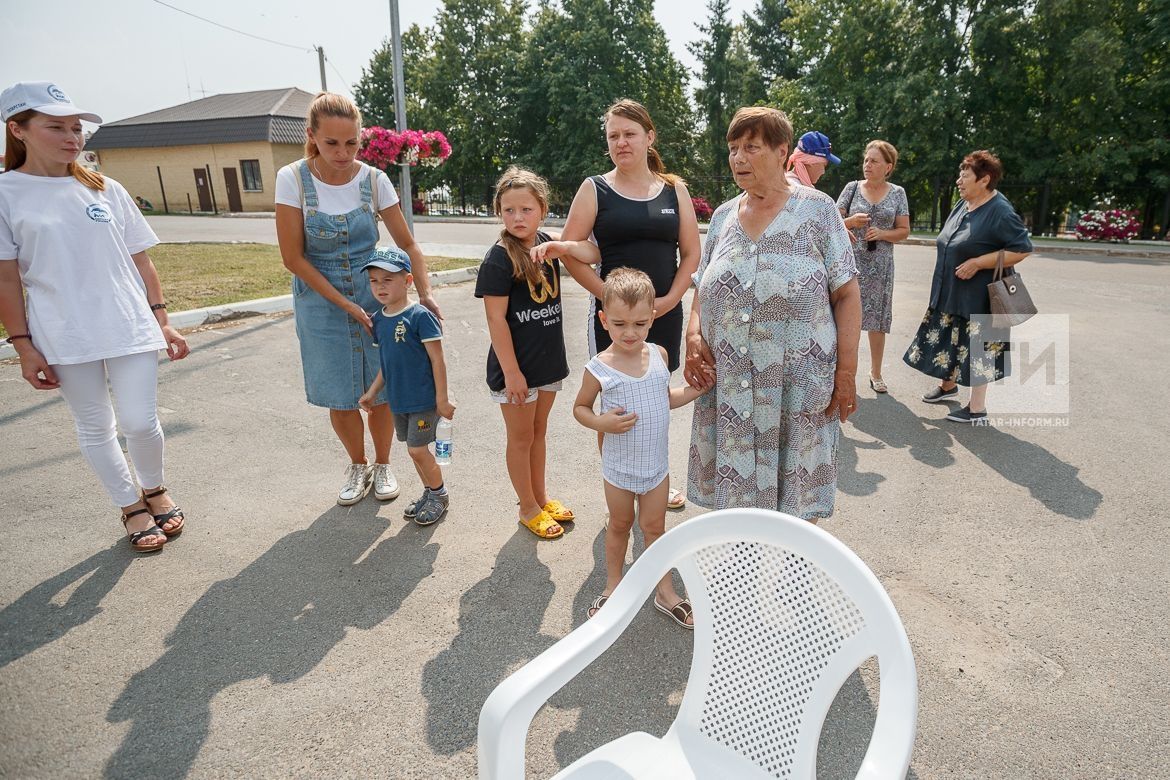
73,244
811,158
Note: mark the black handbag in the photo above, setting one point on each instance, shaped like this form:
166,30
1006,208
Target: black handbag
1011,304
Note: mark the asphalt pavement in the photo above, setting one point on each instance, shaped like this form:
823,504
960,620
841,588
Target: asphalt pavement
284,636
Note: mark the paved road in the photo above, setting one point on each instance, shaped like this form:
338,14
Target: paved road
283,636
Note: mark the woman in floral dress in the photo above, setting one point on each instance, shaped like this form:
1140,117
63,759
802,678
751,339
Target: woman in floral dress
774,328
879,216
954,342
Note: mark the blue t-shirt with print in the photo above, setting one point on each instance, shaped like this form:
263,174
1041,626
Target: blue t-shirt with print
406,366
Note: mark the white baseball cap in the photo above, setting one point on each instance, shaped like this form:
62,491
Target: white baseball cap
42,96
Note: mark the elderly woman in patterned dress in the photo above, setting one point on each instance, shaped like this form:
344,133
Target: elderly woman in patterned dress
878,211
774,328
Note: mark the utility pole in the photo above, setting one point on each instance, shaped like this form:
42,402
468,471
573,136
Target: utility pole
321,64
404,194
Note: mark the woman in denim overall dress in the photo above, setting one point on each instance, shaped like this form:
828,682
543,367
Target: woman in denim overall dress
325,224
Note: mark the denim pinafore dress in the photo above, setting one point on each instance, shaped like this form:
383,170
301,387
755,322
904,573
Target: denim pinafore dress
338,357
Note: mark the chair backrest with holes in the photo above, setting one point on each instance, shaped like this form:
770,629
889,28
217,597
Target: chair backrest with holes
784,613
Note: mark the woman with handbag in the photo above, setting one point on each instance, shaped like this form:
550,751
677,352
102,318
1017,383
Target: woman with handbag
955,342
878,215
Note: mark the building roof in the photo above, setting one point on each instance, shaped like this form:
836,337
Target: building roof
273,115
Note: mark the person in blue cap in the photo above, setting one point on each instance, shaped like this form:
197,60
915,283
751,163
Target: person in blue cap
414,373
810,159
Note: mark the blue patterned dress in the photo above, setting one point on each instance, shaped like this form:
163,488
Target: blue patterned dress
760,438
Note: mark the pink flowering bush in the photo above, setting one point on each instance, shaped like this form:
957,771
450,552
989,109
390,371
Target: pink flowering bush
1110,225
703,209
383,148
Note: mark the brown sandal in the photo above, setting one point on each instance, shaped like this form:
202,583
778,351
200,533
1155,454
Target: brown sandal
678,613
170,516
597,604
148,534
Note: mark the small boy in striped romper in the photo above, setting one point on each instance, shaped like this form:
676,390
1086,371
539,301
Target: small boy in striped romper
636,398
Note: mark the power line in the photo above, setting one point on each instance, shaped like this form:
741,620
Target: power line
233,29
344,80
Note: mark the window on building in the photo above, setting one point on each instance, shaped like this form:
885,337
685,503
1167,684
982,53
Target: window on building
251,169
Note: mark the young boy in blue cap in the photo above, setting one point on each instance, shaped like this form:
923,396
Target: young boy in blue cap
414,373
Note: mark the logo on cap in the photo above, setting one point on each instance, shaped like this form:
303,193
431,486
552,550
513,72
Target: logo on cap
97,212
56,93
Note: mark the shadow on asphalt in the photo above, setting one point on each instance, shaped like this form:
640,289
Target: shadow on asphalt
33,620
499,631
1051,481
171,430
278,618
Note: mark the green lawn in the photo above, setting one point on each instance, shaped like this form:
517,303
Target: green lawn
198,275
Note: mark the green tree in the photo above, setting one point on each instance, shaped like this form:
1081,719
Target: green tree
583,55
770,41
470,84
374,92
849,90
728,79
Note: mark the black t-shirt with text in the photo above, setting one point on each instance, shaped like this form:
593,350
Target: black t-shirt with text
534,319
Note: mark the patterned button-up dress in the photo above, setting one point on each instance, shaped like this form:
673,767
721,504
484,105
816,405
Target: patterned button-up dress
760,438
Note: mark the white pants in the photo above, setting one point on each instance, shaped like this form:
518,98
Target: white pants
134,379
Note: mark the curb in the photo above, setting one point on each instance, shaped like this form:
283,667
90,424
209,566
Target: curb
1130,252
274,305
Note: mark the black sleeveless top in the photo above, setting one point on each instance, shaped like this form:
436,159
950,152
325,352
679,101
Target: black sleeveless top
641,234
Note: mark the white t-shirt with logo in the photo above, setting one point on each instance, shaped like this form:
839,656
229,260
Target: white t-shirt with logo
86,300
332,199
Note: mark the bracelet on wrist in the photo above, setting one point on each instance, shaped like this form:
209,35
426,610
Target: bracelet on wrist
14,337
157,306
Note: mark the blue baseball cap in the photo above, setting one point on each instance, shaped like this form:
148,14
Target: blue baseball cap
817,143
388,259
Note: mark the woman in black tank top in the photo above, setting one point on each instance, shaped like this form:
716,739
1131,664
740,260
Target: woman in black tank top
641,217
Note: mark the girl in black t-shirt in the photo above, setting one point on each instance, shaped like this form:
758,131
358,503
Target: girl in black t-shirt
520,283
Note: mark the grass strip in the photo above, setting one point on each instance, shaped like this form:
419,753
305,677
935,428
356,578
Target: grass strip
199,275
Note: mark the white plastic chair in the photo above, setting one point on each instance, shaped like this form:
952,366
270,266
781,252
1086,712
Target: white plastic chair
784,614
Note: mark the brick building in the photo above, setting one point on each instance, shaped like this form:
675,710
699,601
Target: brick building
220,153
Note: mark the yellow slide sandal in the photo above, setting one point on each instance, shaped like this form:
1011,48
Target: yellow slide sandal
543,525
559,512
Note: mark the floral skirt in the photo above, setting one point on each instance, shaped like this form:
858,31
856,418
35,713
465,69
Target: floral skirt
942,349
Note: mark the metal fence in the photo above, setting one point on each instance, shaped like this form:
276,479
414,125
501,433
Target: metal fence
1047,208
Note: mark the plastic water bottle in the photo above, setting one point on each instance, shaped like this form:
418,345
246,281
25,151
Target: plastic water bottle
443,433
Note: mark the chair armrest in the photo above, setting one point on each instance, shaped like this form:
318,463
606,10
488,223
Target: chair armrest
508,711
892,742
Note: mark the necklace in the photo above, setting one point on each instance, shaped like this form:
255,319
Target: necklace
317,172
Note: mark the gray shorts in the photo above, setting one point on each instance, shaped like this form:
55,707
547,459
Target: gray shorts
417,429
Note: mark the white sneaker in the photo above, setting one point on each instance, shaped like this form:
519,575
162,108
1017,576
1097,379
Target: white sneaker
385,483
357,484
